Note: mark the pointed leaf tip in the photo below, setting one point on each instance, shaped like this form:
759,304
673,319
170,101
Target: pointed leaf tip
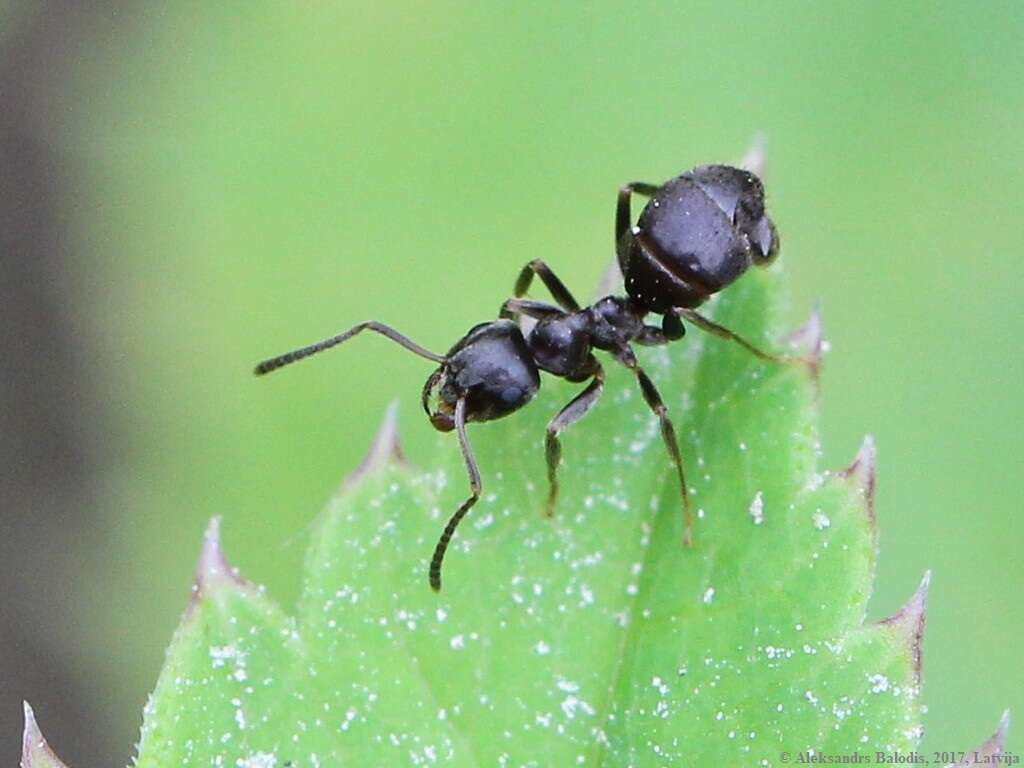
809,341
35,752
213,567
862,474
754,160
910,621
610,280
992,748
385,449
32,738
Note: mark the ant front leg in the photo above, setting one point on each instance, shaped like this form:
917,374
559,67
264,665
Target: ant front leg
475,489
573,412
563,297
668,433
724,333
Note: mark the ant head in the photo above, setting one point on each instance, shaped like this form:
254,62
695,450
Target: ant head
491,368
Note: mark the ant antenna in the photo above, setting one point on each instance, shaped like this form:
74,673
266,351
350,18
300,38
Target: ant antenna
290,357
475,487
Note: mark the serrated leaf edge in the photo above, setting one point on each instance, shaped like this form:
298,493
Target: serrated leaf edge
909,621
212,568
862,473
809,342
385,449
991,748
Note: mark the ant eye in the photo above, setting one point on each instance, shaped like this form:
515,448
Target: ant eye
511,395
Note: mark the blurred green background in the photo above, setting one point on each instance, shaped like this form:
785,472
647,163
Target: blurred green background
237,179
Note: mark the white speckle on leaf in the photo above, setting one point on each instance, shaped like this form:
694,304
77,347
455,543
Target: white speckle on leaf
542,648
821,521
757,509
458,642
239,714
709,595
879,683
221,655
350,715
571,703
659,684
257,760
914,733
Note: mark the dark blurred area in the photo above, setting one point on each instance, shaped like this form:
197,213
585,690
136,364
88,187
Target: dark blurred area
48,433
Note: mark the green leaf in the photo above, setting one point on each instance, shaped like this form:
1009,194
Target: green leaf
595,638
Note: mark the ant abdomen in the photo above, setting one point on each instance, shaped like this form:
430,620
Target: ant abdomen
698,233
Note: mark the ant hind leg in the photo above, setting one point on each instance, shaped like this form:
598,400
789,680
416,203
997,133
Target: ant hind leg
624,216
724,333
668,434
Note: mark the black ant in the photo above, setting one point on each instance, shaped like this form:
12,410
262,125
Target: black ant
697,234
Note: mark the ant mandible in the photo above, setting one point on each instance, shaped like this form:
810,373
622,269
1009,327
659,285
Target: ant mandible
695,236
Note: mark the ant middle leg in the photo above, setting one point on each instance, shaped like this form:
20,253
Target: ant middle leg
475,489
724,333
668,433
571,413
563,297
